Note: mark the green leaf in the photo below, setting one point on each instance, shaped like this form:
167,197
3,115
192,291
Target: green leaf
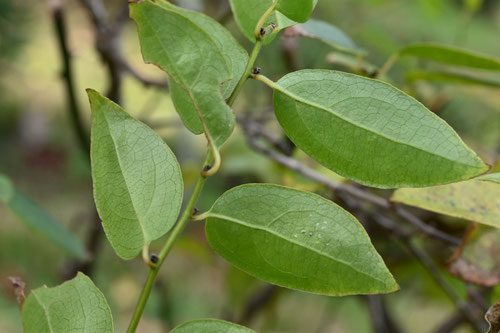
450,77
6,188
233,53
210,326
248,13
330,35
370,131
297,240
203,62
39,220
75,306
474,200
297,10
451,55
138,185
492,177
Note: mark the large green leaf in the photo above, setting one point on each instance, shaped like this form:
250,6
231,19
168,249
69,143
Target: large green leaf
370,132
203,62
297,240
39,220
138,185
248,13
451,55
329,34
474,200
210,326
75,306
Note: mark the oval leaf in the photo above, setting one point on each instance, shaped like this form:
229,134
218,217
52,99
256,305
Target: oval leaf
328,34
451,55
232,52
210,326
296,240
475,200
138,185
75,306
31,214
370,132
200,59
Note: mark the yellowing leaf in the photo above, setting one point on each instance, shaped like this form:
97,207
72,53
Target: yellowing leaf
474,200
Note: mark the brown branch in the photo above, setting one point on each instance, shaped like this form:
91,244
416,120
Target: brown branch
108,45
254,131
257,302
382,322
470,311
67,74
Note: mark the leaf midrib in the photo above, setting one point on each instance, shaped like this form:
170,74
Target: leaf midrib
125,179
319,252
322,108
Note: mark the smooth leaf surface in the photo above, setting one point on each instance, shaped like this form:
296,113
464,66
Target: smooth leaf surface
297,240
474,200
451,55
210,326
297,10
247,14
39,220
75,306
330,35
138,186
370,131
449,77
491,177
201,59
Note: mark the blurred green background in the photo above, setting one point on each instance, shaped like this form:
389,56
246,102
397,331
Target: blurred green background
40,153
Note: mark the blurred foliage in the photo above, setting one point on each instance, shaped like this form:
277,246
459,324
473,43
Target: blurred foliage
39,151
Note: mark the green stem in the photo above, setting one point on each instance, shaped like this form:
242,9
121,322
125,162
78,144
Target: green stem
188,211
248,71
263,19
388,65
183,221
267,81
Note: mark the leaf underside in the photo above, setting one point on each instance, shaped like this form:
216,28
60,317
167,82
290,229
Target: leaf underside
296,240
138,186
370,132
75,306
203,61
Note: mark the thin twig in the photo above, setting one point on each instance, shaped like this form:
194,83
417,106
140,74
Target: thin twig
108,44
253,131
67,74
